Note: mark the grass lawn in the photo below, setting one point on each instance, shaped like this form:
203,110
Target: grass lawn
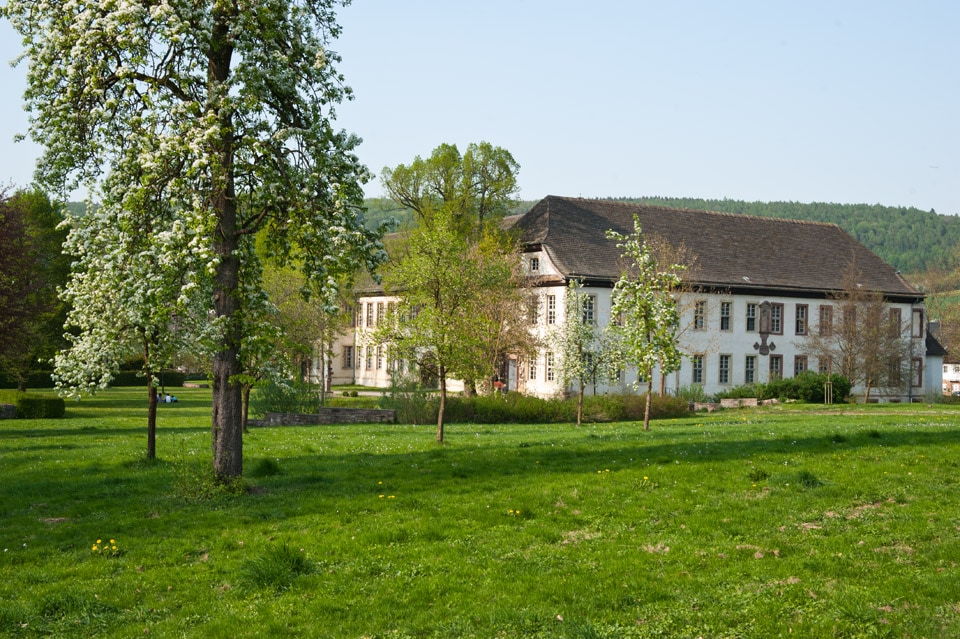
783,522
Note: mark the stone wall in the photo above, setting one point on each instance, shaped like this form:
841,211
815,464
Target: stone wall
8,411
330,416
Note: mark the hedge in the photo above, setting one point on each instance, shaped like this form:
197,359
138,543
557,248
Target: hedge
135,378
37,379
516,408
31,406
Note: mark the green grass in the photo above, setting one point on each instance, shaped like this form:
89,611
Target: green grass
783,522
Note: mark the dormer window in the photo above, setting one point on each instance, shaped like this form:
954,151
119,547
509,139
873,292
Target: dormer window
534,264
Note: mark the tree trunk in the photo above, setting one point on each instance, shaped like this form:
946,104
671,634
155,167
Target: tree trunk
245,406
227,424
151,417
443,402
646,410
580,404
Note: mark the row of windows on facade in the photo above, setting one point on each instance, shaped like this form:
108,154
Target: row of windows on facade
372,358
771,321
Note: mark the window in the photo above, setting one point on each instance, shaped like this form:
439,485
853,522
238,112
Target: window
347,360
776,367
826,364
916,373
849,319
551,309
534,264
533,309
724,371
699,314
895,323
551,373
801,319
380,310
894,371
359,315
725,315
917,327
369,306
776,319
750,369
697,361
589,309
379,358
799,364
826,321
751,318
533,369
369,361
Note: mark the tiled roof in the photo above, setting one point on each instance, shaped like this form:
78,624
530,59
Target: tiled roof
733,251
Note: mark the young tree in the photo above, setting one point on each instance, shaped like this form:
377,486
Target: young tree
866,342
577,342
446,284
131,295
646,310
225,107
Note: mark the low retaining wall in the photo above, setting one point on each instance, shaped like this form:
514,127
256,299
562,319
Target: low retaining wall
330,416
8,411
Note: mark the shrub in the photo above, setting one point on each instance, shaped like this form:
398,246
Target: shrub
284,396
805,387
412,403
692,393
32,406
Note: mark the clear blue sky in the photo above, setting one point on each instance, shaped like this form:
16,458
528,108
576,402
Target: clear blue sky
831,101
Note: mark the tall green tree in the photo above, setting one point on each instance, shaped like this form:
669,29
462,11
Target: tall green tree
32,267
475,187
644,313
227,107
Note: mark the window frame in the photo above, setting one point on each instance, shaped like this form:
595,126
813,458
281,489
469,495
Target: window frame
801,363
726,316
751,317
776,371
723,369
801,319
825,321
750,369
696,372
699,315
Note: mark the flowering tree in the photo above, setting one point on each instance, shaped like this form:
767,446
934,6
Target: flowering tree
131,295
225,109
577,342
645,311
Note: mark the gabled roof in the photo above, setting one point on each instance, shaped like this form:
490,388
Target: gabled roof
736,252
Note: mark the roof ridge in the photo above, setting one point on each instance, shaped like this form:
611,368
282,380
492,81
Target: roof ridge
654,207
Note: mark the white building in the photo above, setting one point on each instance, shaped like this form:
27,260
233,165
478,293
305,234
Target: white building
763,287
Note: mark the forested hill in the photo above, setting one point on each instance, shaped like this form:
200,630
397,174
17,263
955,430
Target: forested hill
909,239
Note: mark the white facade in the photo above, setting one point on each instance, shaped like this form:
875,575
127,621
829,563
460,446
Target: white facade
951,379
721,341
